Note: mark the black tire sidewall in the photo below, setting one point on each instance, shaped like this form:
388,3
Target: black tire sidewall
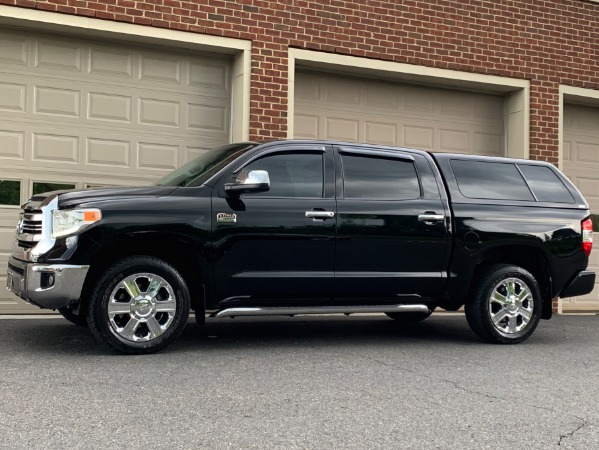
98,307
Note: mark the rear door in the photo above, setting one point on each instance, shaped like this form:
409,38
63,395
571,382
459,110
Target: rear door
393,237
278,245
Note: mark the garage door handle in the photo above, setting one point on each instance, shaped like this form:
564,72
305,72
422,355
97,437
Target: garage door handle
430,218
320,214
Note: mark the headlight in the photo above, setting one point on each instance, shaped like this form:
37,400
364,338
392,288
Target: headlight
71,221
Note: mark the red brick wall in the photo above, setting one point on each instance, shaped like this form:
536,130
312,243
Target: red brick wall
547,42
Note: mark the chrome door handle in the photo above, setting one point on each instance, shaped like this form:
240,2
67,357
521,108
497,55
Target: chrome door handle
430,218
320,214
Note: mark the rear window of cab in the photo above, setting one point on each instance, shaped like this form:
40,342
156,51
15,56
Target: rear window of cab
509,181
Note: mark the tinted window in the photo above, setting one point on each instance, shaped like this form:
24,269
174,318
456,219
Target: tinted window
10,192
379,178
200,169
545,184
40,188
490,180
291,174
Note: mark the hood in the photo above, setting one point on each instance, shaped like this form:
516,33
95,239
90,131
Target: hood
72,198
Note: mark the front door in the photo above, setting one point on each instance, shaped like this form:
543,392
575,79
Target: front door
267,250
386,249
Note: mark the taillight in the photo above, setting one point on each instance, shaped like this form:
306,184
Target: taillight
587,236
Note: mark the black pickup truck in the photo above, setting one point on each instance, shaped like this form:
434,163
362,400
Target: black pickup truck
308,227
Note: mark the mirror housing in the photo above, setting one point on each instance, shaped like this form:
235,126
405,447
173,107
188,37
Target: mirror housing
256,181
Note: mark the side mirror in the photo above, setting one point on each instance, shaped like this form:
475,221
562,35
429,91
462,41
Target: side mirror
256,181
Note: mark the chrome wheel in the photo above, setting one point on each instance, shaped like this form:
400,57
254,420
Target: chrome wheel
141,307
511,306
505,304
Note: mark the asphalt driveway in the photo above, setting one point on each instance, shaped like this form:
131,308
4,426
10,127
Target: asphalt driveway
316,382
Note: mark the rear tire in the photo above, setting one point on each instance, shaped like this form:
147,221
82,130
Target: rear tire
506,305
139,305
77,319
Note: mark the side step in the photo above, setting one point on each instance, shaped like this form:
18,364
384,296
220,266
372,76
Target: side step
295,310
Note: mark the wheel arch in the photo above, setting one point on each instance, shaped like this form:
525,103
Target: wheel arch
530,258
176,251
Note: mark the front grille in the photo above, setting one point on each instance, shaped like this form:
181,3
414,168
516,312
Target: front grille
30,228
31,223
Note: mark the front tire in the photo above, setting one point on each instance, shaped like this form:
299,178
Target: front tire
139,305
506,305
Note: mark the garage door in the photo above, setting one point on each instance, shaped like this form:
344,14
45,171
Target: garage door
77,113
348,109
581,165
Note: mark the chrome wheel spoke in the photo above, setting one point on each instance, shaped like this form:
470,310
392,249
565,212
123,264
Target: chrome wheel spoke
512,324
132,288
510,285
497,297
499,316
115,308
523,295
129,330
167,306
154,287
154,328
526,314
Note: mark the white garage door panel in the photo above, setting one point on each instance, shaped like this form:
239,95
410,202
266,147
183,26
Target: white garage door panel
347,109
95,114
103,152
581,165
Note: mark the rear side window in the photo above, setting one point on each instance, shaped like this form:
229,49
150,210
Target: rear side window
379,178
545,184
490,180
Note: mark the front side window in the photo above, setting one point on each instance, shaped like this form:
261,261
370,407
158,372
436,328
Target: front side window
291,174
372,177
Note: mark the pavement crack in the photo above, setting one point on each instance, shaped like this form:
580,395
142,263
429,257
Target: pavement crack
583,423
458,386
455,384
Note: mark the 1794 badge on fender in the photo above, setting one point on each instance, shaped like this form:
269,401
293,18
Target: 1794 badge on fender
226,218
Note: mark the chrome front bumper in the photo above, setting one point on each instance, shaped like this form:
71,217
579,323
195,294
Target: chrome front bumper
46,285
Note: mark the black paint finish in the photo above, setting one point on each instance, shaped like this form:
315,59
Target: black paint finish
372,251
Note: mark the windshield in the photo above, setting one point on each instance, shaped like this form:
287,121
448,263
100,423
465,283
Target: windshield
199,170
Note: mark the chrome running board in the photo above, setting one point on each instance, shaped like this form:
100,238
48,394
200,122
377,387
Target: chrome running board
295,310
